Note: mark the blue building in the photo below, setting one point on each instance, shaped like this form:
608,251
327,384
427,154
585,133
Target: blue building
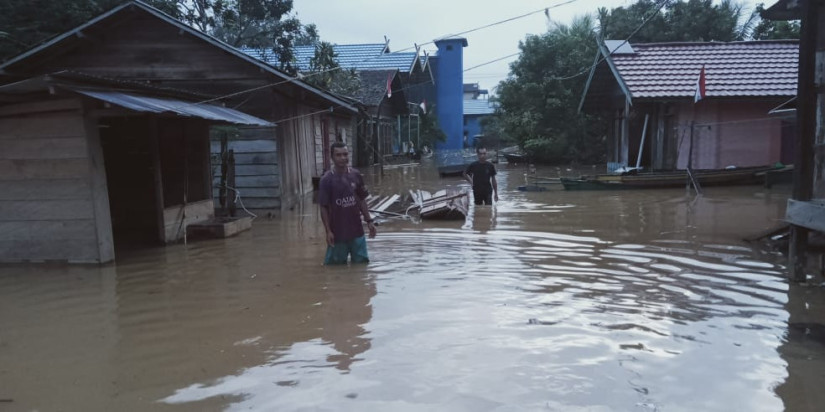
448,70
474,111
426,81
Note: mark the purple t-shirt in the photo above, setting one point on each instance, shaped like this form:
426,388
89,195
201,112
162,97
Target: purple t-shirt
342,192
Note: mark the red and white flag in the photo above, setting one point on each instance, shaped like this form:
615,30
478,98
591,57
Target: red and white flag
699,94
423,106
389,86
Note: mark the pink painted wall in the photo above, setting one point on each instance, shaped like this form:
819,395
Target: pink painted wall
737,133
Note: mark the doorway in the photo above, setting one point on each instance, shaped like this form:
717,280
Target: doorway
128,154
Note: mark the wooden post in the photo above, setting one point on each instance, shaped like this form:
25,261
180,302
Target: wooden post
231,207
806,124
624,157
692,179
642,142
222,194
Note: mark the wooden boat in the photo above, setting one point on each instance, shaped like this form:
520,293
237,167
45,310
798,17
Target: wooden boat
515,157
667,179
538,183
451,170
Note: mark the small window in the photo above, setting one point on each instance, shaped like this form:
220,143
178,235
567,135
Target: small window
449,47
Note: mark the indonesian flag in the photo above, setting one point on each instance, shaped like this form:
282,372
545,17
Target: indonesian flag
423,106
699,94
389,86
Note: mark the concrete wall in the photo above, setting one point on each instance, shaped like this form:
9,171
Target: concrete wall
53,197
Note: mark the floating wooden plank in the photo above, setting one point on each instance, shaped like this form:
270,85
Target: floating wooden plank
387,203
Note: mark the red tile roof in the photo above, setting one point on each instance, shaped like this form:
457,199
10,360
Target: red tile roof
736,69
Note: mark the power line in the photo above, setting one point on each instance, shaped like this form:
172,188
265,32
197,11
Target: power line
602,58
544,10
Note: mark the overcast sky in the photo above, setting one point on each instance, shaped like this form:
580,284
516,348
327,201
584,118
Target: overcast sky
406,23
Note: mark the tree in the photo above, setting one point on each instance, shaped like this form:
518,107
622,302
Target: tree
27,23
309,36
263,24
539,100
775,30
324,72
642,18
693,20
431,132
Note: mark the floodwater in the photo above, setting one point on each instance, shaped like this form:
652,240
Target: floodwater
548,301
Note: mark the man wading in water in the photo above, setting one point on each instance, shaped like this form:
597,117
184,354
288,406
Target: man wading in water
482,175
342,197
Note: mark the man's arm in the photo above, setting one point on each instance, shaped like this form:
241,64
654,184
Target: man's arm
362,204
467,175
495,188
325,220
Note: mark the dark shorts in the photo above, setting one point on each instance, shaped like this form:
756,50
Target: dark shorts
338,253
483,197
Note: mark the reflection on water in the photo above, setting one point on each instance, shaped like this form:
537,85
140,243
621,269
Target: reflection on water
546,301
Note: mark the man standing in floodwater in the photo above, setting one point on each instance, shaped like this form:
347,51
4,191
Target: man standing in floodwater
482,175
342,198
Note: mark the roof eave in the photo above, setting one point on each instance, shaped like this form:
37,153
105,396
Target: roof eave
209,39
619,79
784,10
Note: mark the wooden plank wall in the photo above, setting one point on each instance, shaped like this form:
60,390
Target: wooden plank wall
257,174
48,210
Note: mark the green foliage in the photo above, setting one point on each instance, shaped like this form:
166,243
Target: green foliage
692,20
539,100
264,24
494,131
261,24
27,23
324,72
309,36
775,30
431,132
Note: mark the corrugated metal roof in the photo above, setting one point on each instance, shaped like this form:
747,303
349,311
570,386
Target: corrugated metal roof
179,107
736,69
476,107
349,56
77,35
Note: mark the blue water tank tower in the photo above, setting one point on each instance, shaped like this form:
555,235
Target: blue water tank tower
449,84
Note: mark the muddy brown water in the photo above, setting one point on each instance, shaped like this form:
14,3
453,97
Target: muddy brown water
551,301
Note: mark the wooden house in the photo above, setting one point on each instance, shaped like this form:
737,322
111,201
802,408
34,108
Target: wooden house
382,136
88,162
104,133
412,81
647,93
137,42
